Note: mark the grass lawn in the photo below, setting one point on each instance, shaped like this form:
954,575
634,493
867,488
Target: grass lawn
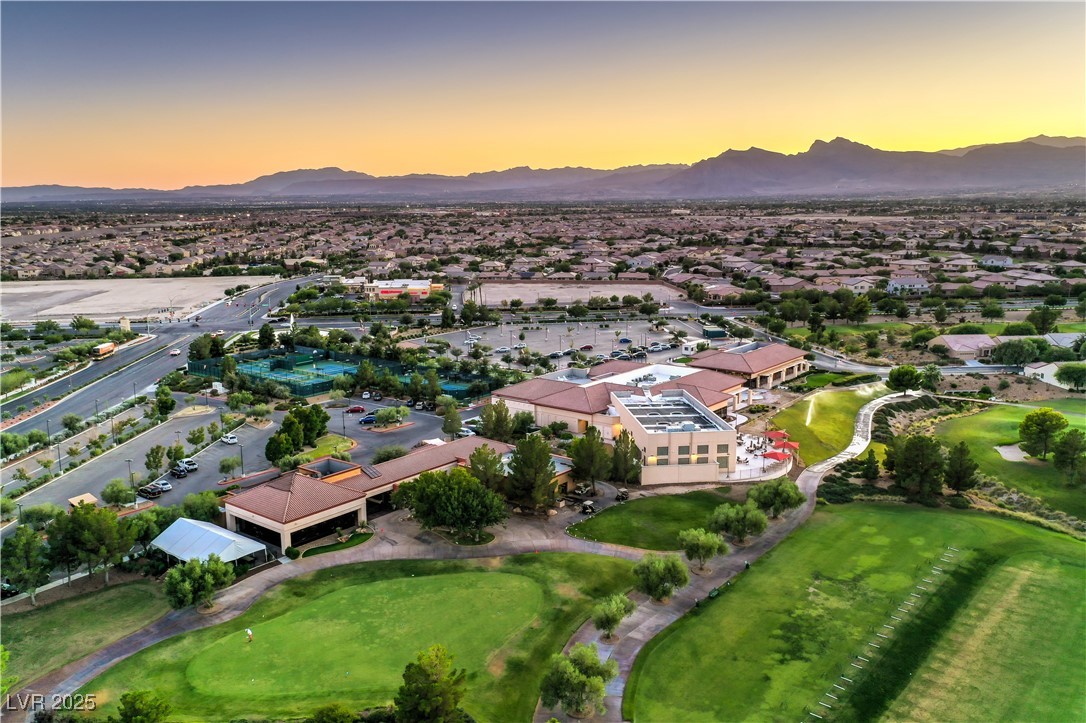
355,539
77,626
998,426
776,640
371,620
328,444
652,523
823,423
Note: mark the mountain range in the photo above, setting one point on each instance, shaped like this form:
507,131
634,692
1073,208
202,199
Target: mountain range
837,168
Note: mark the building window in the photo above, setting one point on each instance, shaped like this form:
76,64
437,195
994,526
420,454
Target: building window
703,449
661,461
684,449
722,449
661,451
684,460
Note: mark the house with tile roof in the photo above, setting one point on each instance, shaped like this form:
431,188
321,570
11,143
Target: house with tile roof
761,365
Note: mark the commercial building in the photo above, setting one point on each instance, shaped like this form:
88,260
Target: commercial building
389,289
763,365
327,494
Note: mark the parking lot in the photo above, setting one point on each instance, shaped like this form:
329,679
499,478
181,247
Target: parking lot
603,338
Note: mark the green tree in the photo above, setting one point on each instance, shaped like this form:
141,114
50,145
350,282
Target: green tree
197,581
903,378
1069,455
531,473
156,457
293,430
930,376
101,540
1038,429
701,545
609,613
870,469
265,338
495,422
450,421
332,713
453,500
279,447
72,422
25,561
625,460
591,460
940,313
991,311
432,689
1073,374
388,452
202,506
919,465
164,401
1016,352
7,682
961,470
776,496
175,453
82,323
196,437
1044,319
486,465
142,706
227,465
658,576
118,492
739,521
578,682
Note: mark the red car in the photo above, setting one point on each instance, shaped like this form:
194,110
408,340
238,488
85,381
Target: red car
586,347
356,409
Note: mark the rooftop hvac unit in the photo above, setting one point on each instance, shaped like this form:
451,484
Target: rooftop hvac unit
690,427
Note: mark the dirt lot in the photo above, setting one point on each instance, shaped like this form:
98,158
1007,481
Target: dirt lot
1021,389
111,298
493,294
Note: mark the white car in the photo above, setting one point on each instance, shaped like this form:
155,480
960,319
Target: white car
229,438
162,484
175,352
189,464
521,345
502,350
465,432
366,395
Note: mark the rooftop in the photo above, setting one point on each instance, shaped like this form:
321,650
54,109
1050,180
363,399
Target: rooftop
670,411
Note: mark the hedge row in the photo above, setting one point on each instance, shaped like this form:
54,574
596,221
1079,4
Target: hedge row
854,379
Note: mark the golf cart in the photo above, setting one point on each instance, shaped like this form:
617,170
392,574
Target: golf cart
588,507
623,494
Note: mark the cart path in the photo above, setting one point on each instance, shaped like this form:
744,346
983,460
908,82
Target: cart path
402,541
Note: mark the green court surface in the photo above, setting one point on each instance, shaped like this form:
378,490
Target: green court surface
777,640
346,633
823,423
998,426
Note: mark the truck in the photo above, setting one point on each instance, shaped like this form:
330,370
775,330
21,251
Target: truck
103,350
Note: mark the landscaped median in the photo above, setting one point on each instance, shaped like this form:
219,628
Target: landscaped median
374,618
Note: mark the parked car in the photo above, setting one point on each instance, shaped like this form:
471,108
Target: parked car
428,405
189,464
179,472
409,403
623,494
624,340
368,419
366,395
624,357
175,352
521,345
377,396
420,405
161,484
617,353
587,347
502,350
356,409
555,355
229,438
601,357
149,493
639,355
8,590
465,432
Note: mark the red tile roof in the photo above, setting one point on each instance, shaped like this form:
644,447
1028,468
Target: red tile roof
756,361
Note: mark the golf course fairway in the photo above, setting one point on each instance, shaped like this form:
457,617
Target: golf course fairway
345,634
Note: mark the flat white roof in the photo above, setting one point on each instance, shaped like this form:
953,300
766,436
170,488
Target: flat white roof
650,374
189,539
670,411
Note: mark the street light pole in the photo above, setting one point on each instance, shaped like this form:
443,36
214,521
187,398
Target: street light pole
242,448
130,478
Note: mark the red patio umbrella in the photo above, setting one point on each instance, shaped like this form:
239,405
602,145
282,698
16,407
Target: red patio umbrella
777,434
778,456
781,444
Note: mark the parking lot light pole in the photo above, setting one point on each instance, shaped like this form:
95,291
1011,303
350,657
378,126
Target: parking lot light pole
242,448
343,419
131,479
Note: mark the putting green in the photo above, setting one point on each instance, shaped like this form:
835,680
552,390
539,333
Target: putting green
376,628
344,634
773,643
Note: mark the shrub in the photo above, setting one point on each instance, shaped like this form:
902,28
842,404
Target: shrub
293,553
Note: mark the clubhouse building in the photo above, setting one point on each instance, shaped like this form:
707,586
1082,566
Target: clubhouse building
762,365
327,494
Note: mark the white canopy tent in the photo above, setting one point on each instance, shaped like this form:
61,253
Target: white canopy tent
189,539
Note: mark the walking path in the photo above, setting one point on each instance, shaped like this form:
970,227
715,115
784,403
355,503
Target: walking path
399,539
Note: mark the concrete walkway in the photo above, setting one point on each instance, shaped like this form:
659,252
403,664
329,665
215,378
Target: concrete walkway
650,618
400,539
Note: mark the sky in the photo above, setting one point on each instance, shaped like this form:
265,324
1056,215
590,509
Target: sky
164,95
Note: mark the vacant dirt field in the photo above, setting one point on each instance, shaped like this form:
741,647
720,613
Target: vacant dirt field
111,298
493,294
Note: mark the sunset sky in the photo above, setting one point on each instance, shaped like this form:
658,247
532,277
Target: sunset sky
166,95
